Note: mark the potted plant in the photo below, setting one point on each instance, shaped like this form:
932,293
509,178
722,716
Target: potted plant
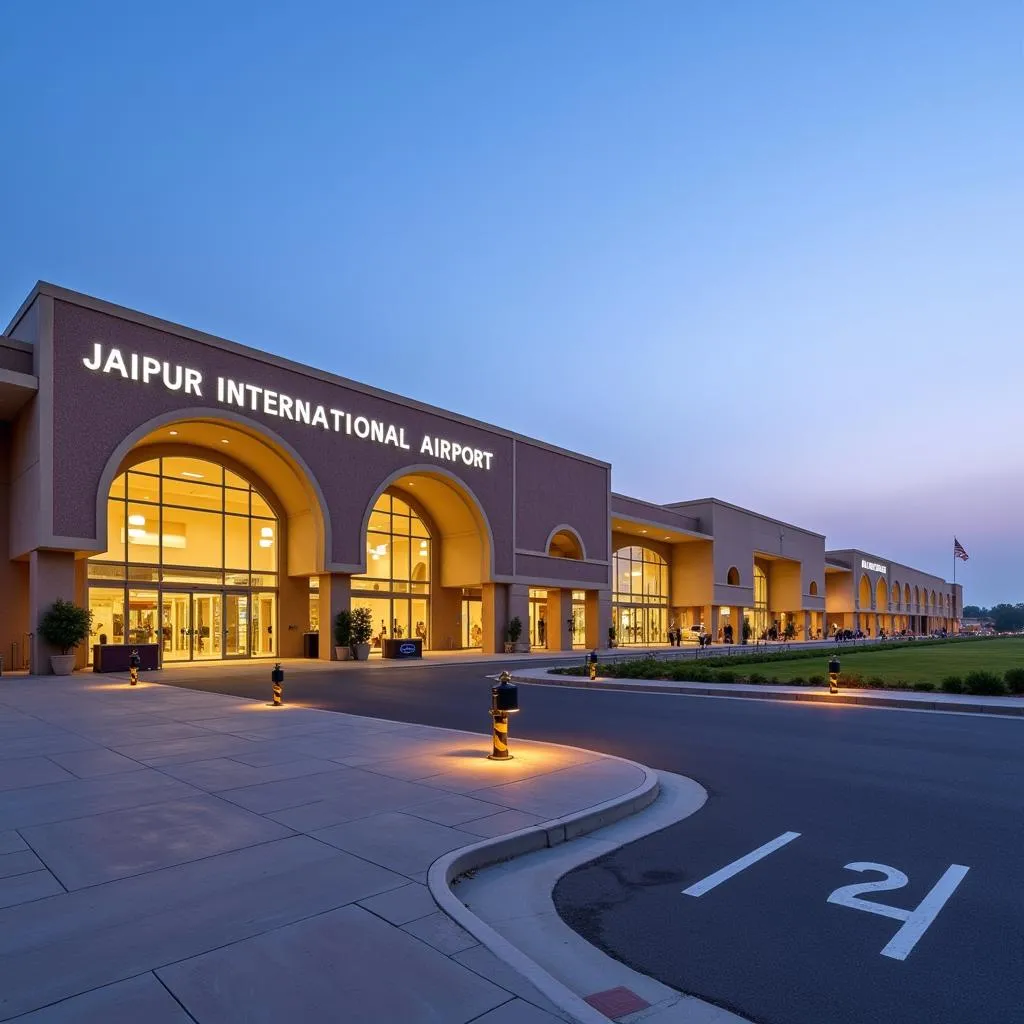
611,636
65,625
343,635
790,631
747,631
361,631
512,634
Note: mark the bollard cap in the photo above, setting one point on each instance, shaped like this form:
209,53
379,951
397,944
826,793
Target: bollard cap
833,665
505,696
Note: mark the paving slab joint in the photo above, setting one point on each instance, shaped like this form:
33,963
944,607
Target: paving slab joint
447,869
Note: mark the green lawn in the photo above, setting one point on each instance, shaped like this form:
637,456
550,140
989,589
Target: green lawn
923,664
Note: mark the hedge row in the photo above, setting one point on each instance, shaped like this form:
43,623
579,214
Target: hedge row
627,669
979,682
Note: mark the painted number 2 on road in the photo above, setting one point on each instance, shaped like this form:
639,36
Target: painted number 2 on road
915,922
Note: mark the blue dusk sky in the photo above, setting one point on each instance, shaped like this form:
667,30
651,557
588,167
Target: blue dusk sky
767,251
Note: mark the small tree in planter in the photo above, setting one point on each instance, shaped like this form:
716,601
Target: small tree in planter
343,635
362,630
747,631
611,636
65,625
790,631
513,633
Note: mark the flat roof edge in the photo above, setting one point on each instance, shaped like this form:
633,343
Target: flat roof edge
237,348
748,511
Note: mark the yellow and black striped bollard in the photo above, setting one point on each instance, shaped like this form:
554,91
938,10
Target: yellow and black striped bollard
277,677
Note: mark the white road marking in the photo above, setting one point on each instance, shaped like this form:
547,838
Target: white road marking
915,922
724,874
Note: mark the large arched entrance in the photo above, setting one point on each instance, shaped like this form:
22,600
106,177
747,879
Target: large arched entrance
191,563
396,584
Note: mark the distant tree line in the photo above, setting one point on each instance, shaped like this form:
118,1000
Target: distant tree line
1006,618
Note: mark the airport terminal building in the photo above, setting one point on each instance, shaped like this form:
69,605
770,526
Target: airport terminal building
219,502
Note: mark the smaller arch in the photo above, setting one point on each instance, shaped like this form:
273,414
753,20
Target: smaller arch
896,594
934,602
881,594
865,592
732,577
917,596
906,594
813,588
565,542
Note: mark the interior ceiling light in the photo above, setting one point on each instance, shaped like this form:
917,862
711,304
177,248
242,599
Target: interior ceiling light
189,473
267,531
265,542
173,433
224,440
136,520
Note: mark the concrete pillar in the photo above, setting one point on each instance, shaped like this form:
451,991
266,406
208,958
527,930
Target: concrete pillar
51,574
559,616
293,615
335,596
495,614
705,617
447,629
808,629
736,617
599,618
712,623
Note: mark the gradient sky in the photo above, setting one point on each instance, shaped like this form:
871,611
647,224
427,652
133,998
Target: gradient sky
770,252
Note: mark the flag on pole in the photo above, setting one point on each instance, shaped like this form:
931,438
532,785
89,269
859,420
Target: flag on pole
958,551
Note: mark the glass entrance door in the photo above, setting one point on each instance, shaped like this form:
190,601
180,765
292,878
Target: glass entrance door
176,627
236,625
263,611
206,626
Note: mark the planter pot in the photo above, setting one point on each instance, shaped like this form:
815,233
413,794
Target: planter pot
361,651
62,664
342,653
510,648
522,647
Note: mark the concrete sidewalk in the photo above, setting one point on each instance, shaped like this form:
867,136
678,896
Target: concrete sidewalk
170,855
905,699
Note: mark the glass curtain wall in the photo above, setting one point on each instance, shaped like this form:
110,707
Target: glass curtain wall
762,620
191,563
396,584
640,596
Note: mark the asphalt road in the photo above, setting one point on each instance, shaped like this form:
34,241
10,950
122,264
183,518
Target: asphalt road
922,794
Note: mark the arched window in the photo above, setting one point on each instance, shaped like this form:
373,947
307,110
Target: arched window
813,589
906,594
917,596
191,563
865,593
640,596
895,594
396,584
881,595
733,577
565,544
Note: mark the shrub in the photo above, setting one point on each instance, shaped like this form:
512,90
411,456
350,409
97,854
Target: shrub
816,680
984,683
725,675
757,678
923,686
876,683
343,628
952,684
515,630
65,625
362,626
851,679
1014,680
798,681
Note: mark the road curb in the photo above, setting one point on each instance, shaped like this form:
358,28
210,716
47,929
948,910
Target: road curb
447,868
695,689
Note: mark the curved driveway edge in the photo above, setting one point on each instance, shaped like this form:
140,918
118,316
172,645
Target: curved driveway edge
445,871
907,700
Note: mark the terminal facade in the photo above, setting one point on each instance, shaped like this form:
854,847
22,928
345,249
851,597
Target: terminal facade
221,502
